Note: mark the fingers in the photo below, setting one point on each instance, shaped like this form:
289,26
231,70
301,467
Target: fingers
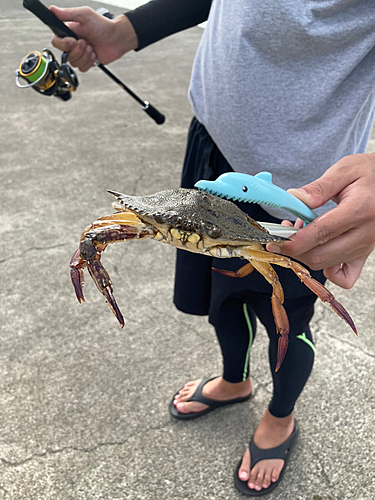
317,233
348,246
298,223
64,44
345,275
343,234
325,257
81,54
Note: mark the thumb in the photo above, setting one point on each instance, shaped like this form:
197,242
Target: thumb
330,184
303,195
316,193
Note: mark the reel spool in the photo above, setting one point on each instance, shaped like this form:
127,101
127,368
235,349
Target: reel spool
44,74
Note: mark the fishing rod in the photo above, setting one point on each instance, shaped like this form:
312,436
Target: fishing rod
43,73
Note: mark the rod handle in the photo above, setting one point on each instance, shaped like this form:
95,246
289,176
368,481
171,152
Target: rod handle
153,113
49,18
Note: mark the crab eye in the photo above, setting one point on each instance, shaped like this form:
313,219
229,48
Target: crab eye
171,219
244,189
159,219
213,232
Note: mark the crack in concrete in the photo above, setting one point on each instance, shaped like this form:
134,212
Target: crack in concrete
33,249
137,181
64,449
353,346
324,475
319,319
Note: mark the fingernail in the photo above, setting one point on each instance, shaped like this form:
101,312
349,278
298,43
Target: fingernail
299,190
243,475
179,406
273,248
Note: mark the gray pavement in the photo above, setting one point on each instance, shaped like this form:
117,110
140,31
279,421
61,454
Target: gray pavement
83,404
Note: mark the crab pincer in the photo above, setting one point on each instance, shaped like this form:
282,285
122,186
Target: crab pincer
104,284
76,274
97,272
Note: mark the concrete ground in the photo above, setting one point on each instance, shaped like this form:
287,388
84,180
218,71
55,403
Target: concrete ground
83,404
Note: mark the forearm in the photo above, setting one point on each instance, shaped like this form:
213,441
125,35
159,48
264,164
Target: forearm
158,19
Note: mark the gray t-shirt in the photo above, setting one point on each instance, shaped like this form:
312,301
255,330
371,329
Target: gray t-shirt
287,86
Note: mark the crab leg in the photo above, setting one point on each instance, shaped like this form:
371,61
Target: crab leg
261,260
278,310
123,226
277,298
303,274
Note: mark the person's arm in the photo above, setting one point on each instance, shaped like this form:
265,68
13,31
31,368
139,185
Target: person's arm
109,39
340,240
160,18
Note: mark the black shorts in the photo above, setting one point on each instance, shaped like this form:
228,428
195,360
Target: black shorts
198,289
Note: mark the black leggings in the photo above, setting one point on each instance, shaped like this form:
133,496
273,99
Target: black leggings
201,291
235,326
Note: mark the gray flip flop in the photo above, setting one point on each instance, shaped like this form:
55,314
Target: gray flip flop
258,454
198,396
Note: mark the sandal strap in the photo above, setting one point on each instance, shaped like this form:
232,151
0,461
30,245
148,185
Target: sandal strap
198,396
279,452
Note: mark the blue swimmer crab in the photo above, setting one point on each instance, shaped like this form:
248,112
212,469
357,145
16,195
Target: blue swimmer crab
198,222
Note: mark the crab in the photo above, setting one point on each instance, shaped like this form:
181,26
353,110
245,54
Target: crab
198,222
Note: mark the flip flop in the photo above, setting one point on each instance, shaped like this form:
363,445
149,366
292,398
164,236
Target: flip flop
258,454
198,396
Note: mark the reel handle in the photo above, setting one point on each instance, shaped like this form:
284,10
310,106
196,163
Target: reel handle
48,18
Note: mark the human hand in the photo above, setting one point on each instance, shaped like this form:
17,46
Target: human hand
340,240
99,37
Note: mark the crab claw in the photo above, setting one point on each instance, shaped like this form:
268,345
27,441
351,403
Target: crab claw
113,305
103,282
76,274
282,346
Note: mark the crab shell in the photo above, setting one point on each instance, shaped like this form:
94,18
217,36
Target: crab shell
195,219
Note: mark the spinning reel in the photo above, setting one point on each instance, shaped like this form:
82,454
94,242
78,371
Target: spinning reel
44,74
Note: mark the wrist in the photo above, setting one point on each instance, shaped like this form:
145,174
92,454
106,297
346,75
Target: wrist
126,37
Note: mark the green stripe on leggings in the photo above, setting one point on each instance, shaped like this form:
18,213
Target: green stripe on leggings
251,336
307,341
